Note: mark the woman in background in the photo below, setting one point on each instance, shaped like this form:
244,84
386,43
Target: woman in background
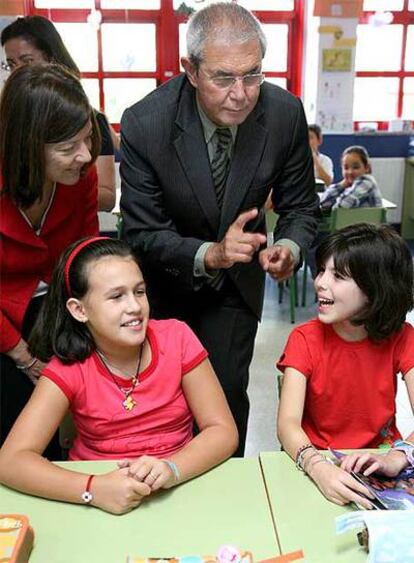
34,39
48,197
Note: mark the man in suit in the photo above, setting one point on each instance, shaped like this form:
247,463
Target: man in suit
200,155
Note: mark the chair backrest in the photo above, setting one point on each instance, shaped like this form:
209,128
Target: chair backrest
342,217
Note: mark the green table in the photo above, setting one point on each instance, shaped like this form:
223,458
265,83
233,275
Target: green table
303,518
227,505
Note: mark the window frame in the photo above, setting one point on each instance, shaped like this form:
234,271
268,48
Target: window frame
167,21
404,18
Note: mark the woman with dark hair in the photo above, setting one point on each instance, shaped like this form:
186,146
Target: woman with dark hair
340,369
34,39
48,196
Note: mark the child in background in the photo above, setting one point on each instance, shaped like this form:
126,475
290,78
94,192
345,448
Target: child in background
133,386
323,165
340,369
358,188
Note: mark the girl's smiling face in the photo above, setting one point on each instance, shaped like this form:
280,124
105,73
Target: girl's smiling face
340,300
115,307
352,168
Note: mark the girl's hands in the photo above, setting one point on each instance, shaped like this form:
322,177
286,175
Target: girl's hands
389,464
338,486
154,472
117,492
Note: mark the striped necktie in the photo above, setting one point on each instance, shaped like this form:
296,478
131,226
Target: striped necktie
220,162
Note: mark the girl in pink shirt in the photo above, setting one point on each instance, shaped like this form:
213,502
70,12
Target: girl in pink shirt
134,387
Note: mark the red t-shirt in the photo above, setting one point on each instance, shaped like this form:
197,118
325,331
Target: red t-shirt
351,386
161,422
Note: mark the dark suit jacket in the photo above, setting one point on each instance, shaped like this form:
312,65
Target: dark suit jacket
168,199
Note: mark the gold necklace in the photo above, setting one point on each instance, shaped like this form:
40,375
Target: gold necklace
129,402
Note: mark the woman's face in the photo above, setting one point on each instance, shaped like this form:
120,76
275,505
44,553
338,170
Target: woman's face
20,52
65,160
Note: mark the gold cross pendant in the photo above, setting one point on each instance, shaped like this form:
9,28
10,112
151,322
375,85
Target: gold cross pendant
129,403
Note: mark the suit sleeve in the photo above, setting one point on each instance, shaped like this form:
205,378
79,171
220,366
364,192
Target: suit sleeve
147,225
294,196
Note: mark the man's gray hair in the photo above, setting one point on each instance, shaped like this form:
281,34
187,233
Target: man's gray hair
222,21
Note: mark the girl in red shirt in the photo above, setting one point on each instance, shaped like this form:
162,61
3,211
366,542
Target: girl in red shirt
340,370
134,387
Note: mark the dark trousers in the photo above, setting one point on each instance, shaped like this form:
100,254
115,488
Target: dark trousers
227,329
16,388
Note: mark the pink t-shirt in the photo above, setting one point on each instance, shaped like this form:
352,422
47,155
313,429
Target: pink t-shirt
161,422
351,386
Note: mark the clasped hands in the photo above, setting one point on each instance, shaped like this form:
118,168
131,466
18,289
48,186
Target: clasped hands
239,246
122,490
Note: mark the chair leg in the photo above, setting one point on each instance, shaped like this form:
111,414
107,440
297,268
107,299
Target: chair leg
292,297
280,286
304,282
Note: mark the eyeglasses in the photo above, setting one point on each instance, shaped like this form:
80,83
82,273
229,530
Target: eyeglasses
248,80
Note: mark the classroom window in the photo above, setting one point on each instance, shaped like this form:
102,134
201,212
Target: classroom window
383,5
409,56
121,93
138,44
408,99
85,52
130,4
135,47
384,62
56,4
276,57
378,49
375,99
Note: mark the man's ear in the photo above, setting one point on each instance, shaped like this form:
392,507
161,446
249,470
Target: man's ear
76,309
190,71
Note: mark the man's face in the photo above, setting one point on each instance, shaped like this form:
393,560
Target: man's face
226,106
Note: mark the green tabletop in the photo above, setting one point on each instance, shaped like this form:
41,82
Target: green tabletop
303,518
227,505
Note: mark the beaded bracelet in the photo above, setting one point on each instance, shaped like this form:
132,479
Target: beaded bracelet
301,458
173,468
299,455
27,366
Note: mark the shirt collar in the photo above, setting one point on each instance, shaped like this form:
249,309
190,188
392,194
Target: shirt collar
209,127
